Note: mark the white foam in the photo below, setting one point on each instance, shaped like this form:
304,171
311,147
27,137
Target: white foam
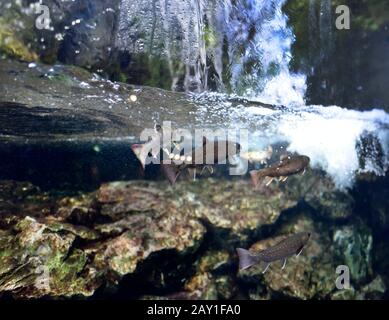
270,81
262,111
329,135
285,89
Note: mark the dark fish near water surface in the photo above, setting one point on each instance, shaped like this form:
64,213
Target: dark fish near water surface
292,245
287,166
209,153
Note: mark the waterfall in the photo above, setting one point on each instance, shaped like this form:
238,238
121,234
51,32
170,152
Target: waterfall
260,53
246,43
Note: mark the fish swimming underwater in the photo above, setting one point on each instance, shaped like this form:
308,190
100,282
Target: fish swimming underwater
281,251
287,166
173,165
199,160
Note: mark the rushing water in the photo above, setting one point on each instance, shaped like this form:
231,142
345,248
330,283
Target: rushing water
191,35
260,53
340,141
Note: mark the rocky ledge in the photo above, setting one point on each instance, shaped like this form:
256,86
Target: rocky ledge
67,104
145,240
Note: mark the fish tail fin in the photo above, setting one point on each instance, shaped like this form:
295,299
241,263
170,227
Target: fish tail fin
246,259
256,177
137,149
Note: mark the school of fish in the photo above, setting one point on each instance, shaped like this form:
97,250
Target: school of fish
198,160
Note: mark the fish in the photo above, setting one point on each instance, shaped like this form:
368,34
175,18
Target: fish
222,152
258,156
287,166
172,170
171,167
292,245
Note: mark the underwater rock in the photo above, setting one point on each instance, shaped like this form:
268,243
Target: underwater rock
202,286
371,194
374,203
372,291
37,261
354,246
95,254
79,210
207,283
233,205
319,192
69,105
179,241
227,207
123,253
118,199
210,281
135,205
332,204
80,231
213,260
220,204
21,199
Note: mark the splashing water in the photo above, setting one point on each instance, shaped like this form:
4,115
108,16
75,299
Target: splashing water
265,41
330,137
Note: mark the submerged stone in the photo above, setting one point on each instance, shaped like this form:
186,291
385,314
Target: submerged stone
38,262
354,245
178,240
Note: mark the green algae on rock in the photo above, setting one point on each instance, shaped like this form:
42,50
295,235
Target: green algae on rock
208,283
123,253
35,251
354,246
17,36
186,235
